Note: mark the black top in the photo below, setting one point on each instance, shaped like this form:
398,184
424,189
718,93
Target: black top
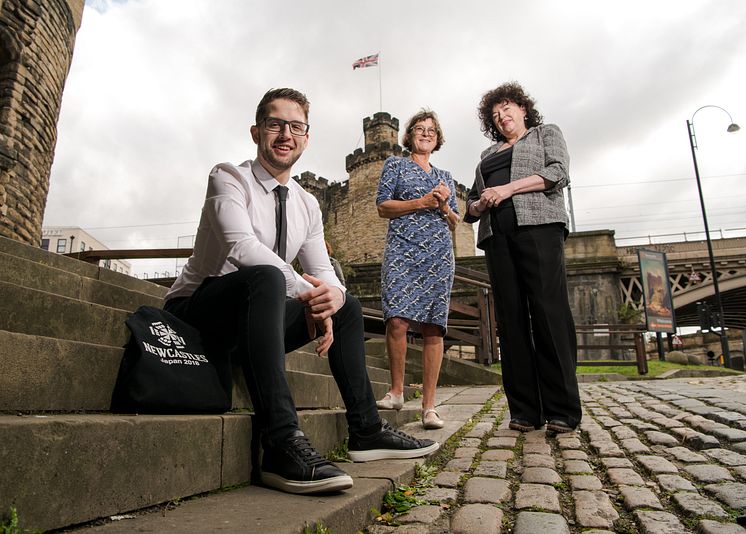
496,171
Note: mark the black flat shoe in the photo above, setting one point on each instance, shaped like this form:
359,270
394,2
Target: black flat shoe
557,426
521,425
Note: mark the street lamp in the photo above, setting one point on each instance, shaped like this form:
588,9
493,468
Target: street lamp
733,127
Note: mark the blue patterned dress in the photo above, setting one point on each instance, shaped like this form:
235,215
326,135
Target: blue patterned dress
417,268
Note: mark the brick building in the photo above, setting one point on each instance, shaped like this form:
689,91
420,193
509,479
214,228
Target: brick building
351,221
36,47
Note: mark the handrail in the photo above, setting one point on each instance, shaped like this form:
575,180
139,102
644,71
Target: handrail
94,256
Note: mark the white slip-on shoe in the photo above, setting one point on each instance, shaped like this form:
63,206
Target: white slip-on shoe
431,420
391,402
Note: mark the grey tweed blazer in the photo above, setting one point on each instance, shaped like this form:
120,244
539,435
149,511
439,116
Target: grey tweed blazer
541,151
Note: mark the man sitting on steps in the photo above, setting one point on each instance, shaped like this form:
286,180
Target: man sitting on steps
241,292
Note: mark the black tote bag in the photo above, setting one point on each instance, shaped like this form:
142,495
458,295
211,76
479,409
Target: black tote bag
165,369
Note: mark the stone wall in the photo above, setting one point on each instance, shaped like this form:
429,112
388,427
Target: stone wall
593,276
36,46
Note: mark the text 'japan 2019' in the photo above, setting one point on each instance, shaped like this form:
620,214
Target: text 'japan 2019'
193,359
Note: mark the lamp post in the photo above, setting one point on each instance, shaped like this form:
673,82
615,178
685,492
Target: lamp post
733,127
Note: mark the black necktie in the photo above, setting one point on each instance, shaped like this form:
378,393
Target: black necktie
281,220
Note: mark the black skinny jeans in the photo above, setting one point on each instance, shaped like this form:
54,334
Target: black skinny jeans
248,313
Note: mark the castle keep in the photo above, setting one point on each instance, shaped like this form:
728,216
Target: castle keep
351,221
36,48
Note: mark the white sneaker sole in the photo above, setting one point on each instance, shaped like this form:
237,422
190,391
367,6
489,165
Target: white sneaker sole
339,483
391,454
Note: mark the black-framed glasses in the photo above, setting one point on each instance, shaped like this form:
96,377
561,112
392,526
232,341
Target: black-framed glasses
273,124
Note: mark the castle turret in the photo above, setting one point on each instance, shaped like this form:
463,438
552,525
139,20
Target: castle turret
381,128
359,233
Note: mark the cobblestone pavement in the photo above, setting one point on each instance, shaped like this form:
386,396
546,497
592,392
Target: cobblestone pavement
655,457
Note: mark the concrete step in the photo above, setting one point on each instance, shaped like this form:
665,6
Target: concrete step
34,275
40,373
45,374
71,265
60,470
258,509
34,312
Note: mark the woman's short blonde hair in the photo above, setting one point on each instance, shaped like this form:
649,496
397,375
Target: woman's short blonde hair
422,116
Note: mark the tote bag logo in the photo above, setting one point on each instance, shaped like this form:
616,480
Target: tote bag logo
166,335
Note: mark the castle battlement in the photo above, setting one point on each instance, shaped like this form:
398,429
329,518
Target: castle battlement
373,152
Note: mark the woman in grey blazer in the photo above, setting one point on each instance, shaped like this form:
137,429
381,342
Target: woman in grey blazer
517,199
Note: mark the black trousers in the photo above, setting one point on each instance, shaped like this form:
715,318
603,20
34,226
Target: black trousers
538,347
248,313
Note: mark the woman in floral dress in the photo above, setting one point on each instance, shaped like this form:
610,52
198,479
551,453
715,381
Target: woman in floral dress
417,271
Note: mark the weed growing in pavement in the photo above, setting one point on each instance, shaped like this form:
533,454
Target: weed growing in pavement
625,525
11,525
398,501
339,453
424,474
316,528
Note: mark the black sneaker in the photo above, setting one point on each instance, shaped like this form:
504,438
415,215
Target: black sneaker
294,466
388,443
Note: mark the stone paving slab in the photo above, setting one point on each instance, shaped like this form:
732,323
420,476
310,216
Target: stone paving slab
535,522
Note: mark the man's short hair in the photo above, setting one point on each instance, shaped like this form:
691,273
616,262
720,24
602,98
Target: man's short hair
286,93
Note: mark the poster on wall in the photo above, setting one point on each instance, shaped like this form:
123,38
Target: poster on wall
656,291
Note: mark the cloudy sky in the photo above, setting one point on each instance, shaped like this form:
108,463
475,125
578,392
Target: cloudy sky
160,90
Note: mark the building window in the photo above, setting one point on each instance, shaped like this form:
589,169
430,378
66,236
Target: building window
107,264
82,246
45,244
61,245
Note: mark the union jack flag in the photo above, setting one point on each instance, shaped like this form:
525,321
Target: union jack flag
367,61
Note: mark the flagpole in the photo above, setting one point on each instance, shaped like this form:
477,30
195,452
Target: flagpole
380,90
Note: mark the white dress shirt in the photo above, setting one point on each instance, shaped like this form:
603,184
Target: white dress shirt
237,228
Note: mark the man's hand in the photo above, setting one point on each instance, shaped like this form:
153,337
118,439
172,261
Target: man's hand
322,301
323,341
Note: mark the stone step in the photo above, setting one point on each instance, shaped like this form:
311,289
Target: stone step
55,316
41,374
34,275
71,265
258,509
60,470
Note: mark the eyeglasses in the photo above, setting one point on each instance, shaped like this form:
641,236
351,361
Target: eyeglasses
421,130
272,124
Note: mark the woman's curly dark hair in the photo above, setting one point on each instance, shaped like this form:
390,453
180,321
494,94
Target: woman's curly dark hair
512,92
